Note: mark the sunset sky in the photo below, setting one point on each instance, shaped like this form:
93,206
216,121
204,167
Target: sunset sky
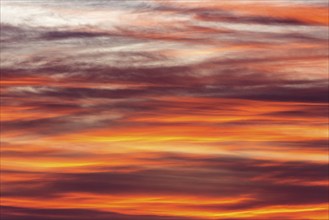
164,110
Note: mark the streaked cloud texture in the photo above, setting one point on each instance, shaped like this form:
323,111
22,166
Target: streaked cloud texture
164,110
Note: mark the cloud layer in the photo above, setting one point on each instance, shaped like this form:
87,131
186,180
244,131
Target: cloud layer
164,109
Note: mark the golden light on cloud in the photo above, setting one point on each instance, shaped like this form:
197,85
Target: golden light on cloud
164,110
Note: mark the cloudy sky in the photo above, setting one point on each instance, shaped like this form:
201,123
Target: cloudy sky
164,110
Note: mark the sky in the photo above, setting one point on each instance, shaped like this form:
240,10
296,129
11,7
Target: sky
164,110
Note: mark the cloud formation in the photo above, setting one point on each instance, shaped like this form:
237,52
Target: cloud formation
164,109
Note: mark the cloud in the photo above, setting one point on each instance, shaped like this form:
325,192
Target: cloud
155,109
19,213
269,183
71,34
